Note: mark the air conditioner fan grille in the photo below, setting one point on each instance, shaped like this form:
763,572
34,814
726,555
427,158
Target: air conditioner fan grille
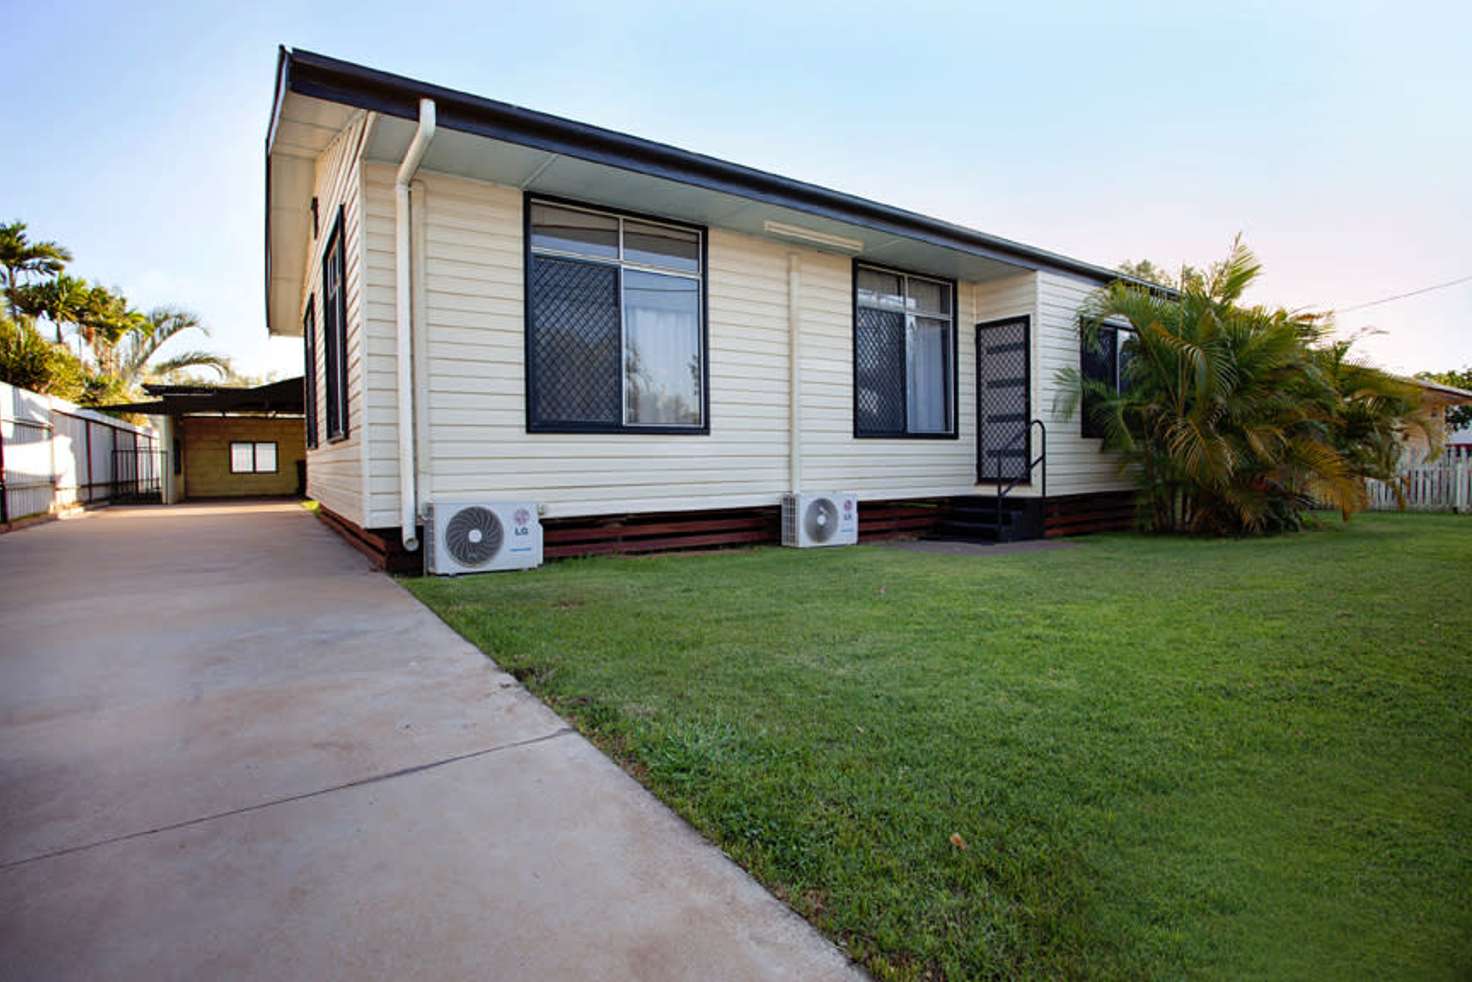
473,536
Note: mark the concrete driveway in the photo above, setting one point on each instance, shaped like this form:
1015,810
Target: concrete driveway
229,749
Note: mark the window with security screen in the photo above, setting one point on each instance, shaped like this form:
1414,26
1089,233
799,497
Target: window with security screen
335,332
1104,362
309,371
904,354
615,323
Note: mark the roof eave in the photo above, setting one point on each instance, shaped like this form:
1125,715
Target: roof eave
330,79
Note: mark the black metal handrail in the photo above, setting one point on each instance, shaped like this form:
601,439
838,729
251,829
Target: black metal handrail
1041,458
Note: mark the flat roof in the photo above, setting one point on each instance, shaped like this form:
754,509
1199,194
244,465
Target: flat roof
283,397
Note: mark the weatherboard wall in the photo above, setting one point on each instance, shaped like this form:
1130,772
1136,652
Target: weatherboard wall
1075,463
477,441
336,469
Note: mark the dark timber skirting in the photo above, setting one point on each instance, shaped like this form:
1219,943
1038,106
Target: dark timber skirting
657,532
1077,514
564,538
898,519
383,547
671,531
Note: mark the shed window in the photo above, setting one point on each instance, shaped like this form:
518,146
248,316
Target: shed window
615,323
252,458
1105,361
335,332
904,354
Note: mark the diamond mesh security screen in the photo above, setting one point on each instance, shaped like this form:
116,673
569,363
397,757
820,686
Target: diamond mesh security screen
1098,362
879,355
1003,441
576,376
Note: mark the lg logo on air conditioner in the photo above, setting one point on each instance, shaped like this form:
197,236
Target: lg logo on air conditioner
521,522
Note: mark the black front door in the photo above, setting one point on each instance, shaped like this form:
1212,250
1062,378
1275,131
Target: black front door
1003,401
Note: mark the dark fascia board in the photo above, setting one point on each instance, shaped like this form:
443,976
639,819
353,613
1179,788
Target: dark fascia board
334,80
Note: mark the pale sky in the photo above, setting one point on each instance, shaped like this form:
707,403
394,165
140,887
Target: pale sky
1337,137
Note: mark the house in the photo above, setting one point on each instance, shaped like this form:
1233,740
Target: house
228,441
503,305
1436,399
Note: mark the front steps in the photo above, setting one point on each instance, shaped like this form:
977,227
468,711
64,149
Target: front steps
974,518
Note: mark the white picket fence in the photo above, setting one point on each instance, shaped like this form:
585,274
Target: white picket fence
1443,485
55,455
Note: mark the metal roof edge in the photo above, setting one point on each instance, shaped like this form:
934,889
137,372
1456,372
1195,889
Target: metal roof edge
334,80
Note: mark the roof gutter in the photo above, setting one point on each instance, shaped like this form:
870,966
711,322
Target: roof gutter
333,80
404,322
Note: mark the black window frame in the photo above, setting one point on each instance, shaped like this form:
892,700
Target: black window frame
533,425
335,335
1088,428
309,376
954,431
254,450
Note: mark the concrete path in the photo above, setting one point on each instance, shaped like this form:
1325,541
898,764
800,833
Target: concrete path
229,749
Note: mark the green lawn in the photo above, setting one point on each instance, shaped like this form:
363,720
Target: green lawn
1164,757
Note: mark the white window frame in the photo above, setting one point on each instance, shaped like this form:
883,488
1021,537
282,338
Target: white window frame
255,446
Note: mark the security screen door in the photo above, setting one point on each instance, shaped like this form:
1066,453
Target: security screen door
1003,401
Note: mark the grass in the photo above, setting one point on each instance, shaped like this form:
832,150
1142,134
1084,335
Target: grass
1135,757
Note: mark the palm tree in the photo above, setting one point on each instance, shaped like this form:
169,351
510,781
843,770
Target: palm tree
1375,413
21,259
62,300
1225,415
131,356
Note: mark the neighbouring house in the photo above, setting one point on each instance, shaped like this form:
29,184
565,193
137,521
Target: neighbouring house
652,345
229,441
1436,399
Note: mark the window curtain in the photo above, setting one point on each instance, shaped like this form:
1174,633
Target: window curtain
662,374
928,388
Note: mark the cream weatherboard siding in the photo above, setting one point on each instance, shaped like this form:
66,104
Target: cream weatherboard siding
477,440
335,470
1075,465
476,381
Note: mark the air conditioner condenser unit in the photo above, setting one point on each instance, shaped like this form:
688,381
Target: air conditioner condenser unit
480,537
827,518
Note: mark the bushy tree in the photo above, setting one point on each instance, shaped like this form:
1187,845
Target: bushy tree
29,361
1234,418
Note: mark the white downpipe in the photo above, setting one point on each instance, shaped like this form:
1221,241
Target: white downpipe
423,448
403,322
794,368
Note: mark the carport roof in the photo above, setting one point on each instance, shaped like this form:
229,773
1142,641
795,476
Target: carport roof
284,396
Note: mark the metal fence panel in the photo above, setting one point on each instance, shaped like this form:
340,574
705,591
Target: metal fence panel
54,455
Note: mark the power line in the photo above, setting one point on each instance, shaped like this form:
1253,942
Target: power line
1402,296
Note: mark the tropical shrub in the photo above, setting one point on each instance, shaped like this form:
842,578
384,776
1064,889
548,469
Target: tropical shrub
1233,418
29,361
